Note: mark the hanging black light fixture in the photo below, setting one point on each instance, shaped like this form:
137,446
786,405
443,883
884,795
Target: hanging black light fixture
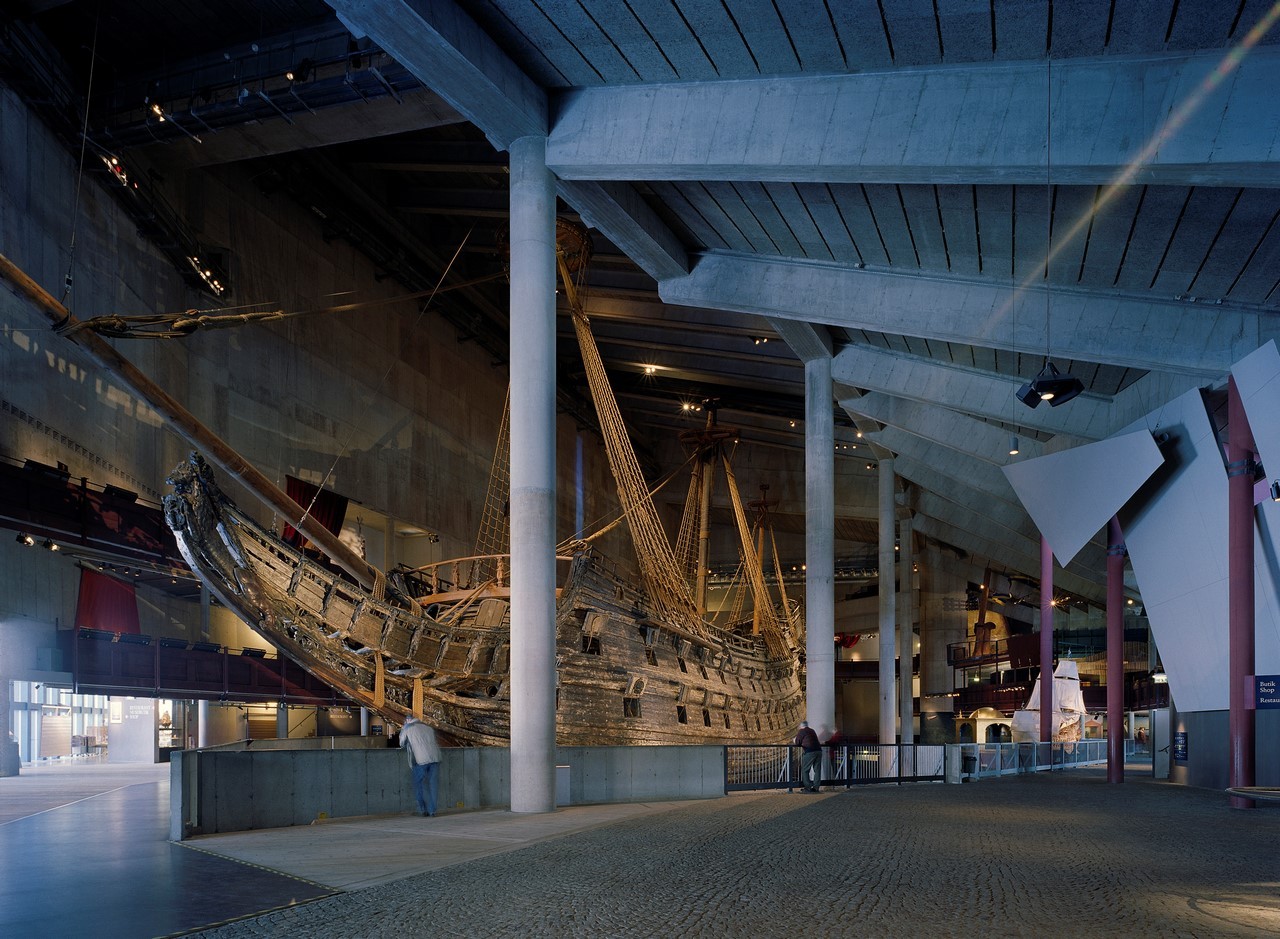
1050,385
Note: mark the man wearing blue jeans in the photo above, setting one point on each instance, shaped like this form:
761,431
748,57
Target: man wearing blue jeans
810,758
419,742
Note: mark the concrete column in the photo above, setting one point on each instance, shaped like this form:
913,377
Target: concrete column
1115,652
942,622
1046,641
1241,724
819,545
389,560
579,488
533,479
906,653
202,724
888,634
205,603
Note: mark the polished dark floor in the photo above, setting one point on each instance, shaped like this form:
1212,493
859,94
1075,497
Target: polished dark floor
101,865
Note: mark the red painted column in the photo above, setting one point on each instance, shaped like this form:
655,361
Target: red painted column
1115,652
1240,608
1046,641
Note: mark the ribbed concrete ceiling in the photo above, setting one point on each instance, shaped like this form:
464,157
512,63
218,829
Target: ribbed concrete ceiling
947,190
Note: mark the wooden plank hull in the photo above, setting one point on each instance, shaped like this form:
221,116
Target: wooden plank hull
624,676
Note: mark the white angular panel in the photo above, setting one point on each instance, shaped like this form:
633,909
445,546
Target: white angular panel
1072,494
1266,585
1257,378
1176,533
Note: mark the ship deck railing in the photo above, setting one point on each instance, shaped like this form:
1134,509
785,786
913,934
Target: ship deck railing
463,573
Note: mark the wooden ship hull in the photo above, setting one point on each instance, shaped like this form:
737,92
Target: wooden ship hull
439,644
635,664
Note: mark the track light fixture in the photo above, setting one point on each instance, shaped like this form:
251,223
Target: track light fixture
1050,385
50,545
1275,491
25,539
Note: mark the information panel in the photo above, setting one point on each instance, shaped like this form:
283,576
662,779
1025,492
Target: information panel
1268,691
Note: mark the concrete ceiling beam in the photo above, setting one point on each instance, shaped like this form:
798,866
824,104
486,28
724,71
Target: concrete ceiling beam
447,51
981,394
1097,326
1174,119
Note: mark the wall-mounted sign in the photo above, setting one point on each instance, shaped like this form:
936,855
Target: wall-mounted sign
1267,688
1180,746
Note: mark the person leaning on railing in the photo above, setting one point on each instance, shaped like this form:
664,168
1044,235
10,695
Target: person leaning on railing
810,758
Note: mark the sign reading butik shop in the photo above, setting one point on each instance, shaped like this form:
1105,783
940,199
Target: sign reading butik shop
1268,691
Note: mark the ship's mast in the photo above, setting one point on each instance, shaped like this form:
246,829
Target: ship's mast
186,425
706,441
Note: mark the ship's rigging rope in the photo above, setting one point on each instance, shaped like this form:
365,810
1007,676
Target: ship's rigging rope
667,588
687,538
772,630
495,517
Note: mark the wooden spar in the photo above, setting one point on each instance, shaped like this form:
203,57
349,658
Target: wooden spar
185,424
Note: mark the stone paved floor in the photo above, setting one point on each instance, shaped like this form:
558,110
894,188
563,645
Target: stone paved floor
1062,854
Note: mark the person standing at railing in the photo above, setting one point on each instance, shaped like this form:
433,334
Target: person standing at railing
810,758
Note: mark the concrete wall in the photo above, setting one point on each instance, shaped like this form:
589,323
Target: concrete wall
236,790
403,413
1208,755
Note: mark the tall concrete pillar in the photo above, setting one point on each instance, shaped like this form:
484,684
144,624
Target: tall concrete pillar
1046,641
888,634
1115,652
533,479
819,544
906,652
202,723
579,487
1241,719
943,620
205,603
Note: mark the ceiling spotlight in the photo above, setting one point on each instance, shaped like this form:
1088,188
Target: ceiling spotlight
50,545
1013,445
1275,491
25,539
1050,385
792,423
651,369
858,435
1027,395
868,466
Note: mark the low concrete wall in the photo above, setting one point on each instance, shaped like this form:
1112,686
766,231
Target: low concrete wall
237,790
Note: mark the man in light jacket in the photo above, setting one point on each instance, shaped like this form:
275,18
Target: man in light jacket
419,742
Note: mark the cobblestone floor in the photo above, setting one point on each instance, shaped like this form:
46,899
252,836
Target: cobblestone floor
1061,854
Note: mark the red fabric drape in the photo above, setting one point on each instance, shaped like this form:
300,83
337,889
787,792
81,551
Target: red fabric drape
106,603
329,508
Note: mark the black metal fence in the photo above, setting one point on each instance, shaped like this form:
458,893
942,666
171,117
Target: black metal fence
844,765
